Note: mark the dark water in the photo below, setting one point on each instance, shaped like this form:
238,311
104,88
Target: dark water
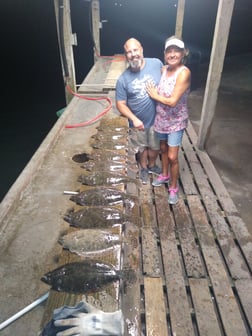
32,89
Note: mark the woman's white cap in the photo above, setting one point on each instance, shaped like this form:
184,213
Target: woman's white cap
175,42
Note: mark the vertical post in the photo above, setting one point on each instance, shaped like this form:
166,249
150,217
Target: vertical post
180,18
66,41
222,27
96,28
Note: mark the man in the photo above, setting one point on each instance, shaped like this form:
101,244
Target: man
134,103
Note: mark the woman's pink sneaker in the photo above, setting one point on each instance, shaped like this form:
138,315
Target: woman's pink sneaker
173,195
160,180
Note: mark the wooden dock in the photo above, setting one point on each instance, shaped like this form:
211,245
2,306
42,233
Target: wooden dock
196,255
192,261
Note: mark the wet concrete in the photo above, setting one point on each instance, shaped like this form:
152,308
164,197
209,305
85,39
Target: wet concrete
29,232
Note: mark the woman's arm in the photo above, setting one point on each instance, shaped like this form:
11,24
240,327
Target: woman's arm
182,84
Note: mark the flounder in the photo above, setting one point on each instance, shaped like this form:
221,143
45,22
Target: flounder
110,145
81,277
103,196
87,241
95,217
105,178
103,165
108,128
106,154
109,137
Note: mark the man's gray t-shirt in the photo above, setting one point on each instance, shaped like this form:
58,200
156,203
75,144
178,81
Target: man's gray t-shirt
130,87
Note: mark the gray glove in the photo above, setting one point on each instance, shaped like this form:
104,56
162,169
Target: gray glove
93,323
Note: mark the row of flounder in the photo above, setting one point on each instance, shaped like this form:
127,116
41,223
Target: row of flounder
91,275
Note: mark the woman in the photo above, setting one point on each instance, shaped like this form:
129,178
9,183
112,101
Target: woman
171,112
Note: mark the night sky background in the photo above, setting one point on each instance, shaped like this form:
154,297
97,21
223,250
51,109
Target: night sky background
32,88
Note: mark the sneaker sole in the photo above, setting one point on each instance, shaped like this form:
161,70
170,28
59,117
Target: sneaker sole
158,185
151,172
172,202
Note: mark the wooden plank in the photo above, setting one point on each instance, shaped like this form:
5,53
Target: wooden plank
219,187
130,297
117,67
96,75
186,176
91,88
133,189
190,250
180,18
221,32
155,312
228,307
178,303
95,21
244,290
207,320
150,252
146,205
243,237
238,226
200,176
233,256
103,75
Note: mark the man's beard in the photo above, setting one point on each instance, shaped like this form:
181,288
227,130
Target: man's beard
135,65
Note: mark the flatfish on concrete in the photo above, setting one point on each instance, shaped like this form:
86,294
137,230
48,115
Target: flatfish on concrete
109,137
110,145
105,178
107,165
109,128
117,121
96,217
103,196
110,155
81,277
84,242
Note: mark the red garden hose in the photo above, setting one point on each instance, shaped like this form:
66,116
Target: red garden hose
89,98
